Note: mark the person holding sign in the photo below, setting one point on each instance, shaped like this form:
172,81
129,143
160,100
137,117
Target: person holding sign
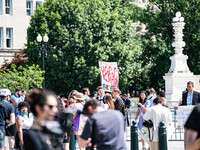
190,97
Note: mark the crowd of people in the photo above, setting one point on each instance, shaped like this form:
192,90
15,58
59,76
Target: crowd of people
25,119
154,108
41,120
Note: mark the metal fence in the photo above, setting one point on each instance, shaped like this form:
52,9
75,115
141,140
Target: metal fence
178,134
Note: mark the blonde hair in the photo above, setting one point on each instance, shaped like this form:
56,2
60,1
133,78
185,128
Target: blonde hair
108,100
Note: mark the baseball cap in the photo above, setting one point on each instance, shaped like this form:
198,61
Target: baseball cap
5,92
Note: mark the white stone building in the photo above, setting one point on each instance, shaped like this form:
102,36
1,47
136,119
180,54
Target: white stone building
14,21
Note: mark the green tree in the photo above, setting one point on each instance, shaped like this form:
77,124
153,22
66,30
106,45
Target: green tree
158,20
27,77
81,33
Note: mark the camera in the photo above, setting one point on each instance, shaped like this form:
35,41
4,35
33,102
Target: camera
55,129
148,124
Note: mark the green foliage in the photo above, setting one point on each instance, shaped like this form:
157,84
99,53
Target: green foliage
81,33
158,20
24,77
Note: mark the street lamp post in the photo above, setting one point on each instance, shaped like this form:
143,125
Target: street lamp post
42,46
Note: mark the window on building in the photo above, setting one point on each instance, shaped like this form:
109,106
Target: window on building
9,37
0,7
29,8
9,7
38,3
1,37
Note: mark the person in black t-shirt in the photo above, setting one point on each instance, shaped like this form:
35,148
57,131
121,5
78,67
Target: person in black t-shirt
107,134
43,105
127,101
193,130
6,112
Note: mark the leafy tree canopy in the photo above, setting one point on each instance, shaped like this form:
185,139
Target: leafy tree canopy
158,20
27,77
81,33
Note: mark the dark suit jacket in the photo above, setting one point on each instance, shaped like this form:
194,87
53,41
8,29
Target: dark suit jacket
119,105
127,103
195,99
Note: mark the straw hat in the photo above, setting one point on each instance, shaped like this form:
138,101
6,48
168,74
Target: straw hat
79,96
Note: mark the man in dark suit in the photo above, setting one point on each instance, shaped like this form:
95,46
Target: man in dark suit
190,97
119,104
127,103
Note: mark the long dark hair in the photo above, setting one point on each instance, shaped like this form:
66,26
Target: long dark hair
108,100
140,99
38,97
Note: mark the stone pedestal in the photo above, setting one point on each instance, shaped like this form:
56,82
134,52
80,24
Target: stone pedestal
179,64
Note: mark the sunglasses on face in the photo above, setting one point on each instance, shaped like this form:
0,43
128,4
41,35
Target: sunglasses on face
51,106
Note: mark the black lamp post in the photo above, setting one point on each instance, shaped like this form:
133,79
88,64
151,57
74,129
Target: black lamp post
42,52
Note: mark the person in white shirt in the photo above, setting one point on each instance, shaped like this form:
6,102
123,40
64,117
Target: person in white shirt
156,114
151,96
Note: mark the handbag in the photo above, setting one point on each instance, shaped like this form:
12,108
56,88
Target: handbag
148,124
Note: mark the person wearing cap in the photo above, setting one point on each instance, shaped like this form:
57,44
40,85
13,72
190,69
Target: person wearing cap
79,119
95,93
6,112
12,130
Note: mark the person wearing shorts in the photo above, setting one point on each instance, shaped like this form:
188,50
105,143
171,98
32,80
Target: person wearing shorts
6,111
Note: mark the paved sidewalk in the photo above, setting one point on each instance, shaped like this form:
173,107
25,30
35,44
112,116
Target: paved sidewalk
172,145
